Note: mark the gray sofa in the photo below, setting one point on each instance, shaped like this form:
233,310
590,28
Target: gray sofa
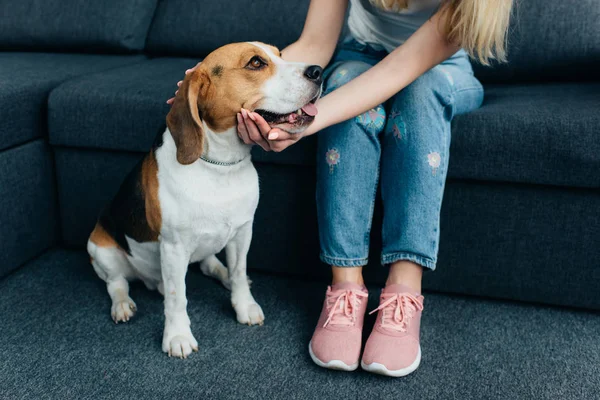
511,312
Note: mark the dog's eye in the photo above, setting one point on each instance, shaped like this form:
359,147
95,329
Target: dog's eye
256,63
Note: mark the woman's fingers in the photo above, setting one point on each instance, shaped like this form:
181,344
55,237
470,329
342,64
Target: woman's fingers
172,99
280,136
253,131
262,125
187,71
241,129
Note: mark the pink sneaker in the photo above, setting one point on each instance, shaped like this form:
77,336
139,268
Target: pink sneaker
338,337
393,348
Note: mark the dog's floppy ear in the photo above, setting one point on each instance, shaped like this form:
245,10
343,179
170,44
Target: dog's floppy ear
184,120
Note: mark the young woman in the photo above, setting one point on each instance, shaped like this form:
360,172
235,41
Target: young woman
391,90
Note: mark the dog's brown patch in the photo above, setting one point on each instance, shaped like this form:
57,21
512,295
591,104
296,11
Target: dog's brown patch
149,180
238,87
101,238
217,70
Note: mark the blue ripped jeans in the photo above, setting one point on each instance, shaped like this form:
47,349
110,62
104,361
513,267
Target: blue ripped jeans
403,145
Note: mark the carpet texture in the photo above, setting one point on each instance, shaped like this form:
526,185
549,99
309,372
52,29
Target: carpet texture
58,342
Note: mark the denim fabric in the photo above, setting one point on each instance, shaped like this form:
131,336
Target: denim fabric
404,144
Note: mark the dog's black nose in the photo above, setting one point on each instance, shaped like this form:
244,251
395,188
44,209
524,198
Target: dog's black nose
314,73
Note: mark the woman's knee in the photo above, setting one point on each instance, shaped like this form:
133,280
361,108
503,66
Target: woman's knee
431,89
419,115
344,73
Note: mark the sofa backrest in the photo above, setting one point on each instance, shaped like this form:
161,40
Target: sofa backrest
550,40
75,25
197,27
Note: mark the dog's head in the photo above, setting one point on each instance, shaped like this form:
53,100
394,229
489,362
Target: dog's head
242,75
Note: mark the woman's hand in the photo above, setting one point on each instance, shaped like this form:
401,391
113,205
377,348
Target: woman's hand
253,129
172,99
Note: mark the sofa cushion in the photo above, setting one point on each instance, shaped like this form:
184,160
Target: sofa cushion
75,25
57,333
196,27
542,134
124,109
28,210
26,80
550,40
121,109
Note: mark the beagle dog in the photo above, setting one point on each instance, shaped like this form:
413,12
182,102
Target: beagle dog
196,191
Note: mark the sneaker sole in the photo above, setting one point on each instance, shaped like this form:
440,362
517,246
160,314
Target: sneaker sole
333,364
380,369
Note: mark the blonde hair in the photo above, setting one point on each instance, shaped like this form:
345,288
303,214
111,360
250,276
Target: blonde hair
478,26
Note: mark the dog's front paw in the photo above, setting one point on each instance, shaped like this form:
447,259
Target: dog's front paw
123,310
249,313
179,345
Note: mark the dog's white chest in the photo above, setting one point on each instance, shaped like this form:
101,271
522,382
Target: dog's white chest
203,205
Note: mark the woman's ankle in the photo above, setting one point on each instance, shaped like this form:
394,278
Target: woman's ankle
405,273
347,274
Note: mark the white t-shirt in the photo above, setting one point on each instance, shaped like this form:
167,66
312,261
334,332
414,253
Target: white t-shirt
388,29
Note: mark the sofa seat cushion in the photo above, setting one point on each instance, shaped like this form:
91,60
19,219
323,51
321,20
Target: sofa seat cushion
57,333
26,79
542,134
124,109
121,109
75,25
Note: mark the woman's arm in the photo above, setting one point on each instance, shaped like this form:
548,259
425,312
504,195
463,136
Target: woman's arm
320,35
426,48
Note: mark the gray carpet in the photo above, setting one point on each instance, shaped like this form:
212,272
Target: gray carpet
57,341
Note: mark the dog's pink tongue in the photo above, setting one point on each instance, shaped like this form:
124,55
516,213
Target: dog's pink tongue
310,109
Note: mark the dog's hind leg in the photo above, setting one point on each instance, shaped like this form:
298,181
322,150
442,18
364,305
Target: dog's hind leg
112,266
211,266
214,268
